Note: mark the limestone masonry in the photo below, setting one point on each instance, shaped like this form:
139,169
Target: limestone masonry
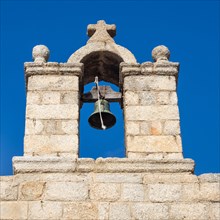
154,181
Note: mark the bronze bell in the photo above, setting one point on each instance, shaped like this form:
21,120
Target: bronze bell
108,118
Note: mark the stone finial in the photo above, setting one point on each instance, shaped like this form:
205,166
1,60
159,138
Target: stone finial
40,54
160,53
101,32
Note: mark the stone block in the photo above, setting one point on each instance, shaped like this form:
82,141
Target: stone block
171,127
33,98
131,98
173,100
44,164
169,178
64,111
13,210
153,82
163,98
105,192
153,144
45,210
50,97
70,126
193,211
8,189
190,192
164,192
103,211
210,192
80,210
33,126
70,97
145,211
214,212
31,190
145,128
148,98
156,128
66,191
132,192
153,156
53,127
117,178
44,145
209,177
151,113
119,211
53,83
132,128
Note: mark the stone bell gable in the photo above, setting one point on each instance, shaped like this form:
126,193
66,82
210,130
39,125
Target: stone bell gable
153,181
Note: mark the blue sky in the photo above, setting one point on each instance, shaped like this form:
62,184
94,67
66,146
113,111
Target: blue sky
190,29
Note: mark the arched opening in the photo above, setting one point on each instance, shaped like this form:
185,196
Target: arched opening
96,143
101,143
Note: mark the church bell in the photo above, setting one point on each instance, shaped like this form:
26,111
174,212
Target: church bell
102,115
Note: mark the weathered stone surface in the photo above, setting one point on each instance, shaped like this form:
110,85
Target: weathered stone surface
70,97
105,192
119,211
160,52
171,127
132,192
169,178
66,191
50,97
103,210
214,212
209,177
193,211
45,164
144,83
14,210
164,192
117,178
80,210
8,188
31,190
190,192
151,113
153,144
45,210
33,126
33,98
40,54
144,211
210,192
45,145
70,126
64,111
148,98
131,98
132,128
53,83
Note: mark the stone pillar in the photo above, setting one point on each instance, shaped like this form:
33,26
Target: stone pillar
151,115
52,108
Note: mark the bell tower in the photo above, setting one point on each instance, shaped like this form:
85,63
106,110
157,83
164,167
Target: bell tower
147,95
154,181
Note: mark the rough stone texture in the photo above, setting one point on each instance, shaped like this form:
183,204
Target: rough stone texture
119,211
45,210
13,210
80,210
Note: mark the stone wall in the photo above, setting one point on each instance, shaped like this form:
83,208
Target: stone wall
111,189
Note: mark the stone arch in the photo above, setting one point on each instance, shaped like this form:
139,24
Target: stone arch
102,60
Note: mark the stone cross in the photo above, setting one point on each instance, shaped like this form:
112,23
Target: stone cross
101,32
